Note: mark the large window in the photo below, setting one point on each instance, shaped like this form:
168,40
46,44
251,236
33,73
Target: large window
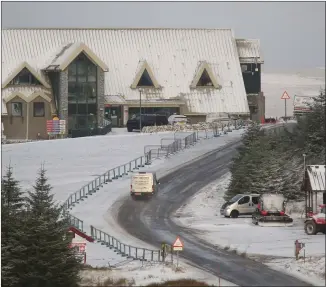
39,110
16,109
25,77
82,94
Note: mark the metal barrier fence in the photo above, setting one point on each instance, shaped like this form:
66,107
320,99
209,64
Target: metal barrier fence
75,222
117,172
108,176
176,144
125,250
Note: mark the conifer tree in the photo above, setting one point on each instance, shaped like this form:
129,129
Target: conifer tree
273,162
245,162
12,222
49,260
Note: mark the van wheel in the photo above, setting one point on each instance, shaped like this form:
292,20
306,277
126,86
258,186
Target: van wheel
129,130
234,214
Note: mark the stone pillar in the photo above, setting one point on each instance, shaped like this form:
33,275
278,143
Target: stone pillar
63,97
100,96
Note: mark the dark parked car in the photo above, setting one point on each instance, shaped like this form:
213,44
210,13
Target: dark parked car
146,120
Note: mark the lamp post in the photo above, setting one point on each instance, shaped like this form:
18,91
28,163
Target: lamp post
140,123
304,182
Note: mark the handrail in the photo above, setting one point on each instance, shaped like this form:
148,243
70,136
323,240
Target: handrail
93,186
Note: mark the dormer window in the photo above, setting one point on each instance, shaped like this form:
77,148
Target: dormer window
204,80
25,77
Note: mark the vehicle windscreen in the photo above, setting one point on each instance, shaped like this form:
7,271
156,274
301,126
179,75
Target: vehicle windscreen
235,198
273,203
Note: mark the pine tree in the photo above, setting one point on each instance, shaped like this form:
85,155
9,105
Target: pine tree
50,261
310,135
12,221
272,161
245,163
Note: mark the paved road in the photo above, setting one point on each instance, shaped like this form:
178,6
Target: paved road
151,222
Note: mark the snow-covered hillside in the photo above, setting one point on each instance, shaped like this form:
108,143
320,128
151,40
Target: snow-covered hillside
71,163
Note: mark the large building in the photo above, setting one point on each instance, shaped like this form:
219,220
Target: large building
86,75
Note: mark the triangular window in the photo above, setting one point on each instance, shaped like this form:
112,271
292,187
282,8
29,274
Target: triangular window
204,80
144,77
25,77
204,77
145,80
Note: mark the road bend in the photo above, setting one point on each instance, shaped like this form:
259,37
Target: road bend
151,222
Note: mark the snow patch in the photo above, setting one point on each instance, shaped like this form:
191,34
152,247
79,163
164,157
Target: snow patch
265,244
142,274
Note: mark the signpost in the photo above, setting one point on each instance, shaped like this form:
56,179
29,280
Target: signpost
56,127
80,248
285,97
302,104
177,246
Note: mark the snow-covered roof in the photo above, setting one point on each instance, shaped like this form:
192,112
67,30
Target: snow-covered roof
172,54
115,100
35,71
249,51
27,93
316,174
67,53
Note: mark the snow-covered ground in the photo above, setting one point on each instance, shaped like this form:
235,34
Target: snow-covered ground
70,163
303,83
272,245
141,274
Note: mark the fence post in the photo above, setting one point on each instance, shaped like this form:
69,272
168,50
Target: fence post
136,252
141,161
93,187
143,253
99,183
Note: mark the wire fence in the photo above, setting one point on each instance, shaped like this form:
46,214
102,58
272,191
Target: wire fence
168,146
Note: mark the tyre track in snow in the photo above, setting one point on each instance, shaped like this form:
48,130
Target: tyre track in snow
151,222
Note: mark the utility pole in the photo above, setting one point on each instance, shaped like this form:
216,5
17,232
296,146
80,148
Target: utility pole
140,123
304,183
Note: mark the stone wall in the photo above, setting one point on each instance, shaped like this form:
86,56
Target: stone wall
63,97
100,96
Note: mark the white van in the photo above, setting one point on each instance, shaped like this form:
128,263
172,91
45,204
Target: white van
241,204
144,184
178,119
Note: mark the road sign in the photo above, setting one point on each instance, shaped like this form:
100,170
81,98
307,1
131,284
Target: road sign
285,96
177,245
80,246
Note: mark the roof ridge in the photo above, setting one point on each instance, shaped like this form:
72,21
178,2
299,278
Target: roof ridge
113,28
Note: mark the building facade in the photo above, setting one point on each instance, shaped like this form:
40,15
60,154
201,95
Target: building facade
86,75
